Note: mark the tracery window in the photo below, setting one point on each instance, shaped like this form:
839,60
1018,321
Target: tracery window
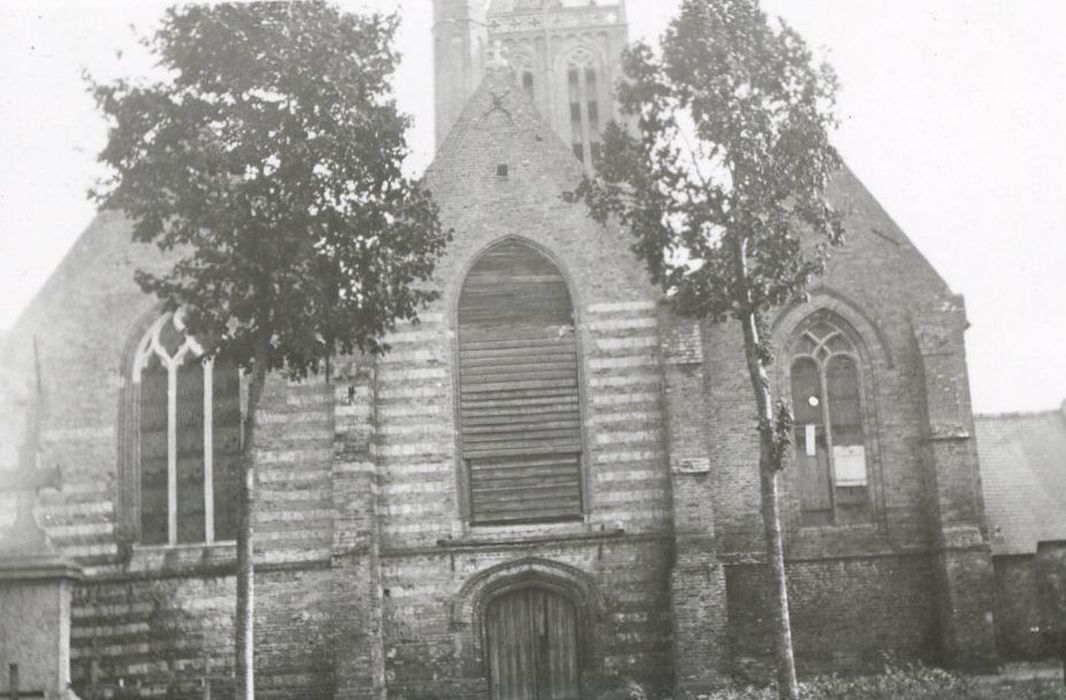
583,91
187,438
519,408
830,432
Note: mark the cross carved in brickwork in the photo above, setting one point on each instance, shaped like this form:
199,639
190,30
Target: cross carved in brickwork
497,104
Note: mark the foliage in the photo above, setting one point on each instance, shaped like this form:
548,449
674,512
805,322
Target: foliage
913,682
729,163
723,187
269,159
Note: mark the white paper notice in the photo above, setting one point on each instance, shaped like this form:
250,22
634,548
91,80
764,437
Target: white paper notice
849,461
809,438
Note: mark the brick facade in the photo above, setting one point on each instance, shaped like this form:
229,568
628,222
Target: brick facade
371,581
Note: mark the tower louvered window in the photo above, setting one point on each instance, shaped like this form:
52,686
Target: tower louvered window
188,439
519,412
830,435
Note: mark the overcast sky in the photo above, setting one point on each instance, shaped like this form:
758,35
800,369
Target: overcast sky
953,114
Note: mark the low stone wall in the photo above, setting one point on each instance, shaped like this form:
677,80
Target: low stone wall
1031,602
1017,610
848,615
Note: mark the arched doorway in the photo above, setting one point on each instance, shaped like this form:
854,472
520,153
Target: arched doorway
532,647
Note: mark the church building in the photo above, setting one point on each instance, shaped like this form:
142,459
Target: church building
549,485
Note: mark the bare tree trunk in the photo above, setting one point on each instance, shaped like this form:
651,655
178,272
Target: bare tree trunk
787,686
245,622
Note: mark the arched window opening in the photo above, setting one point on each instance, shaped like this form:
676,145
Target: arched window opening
188,435
583,90
531,644
527,83
519,412
829,434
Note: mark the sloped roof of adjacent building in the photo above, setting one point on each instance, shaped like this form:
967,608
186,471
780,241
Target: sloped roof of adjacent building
1023,477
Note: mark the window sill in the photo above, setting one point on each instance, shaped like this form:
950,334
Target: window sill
137,546
492,535
182,559
531,523
844,527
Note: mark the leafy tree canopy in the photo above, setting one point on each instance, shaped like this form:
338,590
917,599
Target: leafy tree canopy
729,160
268,158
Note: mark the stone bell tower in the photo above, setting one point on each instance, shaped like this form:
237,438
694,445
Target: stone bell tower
566,55
459,43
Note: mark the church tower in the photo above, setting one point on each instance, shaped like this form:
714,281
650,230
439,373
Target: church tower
459,44
566,54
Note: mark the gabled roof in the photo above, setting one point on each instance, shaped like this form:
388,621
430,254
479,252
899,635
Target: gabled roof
500,125
1023,477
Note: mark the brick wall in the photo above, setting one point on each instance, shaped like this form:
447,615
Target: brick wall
848,615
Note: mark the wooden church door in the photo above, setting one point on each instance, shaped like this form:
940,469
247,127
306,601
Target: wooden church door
531,643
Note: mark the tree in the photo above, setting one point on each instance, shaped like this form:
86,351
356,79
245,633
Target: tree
268,160
721,179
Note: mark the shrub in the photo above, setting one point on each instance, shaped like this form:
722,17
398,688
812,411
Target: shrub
914,682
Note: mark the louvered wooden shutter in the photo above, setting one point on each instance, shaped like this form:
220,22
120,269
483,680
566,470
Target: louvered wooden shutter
520,416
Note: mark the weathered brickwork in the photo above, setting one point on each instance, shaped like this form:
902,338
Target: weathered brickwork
848,615
372,581
165,633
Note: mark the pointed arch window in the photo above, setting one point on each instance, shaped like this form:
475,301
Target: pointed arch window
187,436
584,99
519,398
830,434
